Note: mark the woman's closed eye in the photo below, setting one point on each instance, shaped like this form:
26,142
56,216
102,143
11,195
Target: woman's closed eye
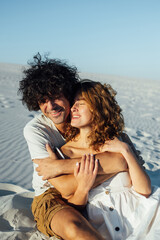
77,103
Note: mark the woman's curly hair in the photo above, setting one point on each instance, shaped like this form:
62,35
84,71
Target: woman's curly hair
47,79
107,120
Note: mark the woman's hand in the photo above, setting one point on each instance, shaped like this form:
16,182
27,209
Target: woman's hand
139,178
85,173
114,145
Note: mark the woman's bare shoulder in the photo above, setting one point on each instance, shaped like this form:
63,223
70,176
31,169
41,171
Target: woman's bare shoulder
67,150
72,150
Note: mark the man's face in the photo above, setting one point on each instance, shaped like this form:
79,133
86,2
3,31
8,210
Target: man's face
57,110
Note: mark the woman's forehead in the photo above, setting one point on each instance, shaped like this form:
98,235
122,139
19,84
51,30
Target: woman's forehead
79,96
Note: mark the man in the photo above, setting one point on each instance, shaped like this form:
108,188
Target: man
48,85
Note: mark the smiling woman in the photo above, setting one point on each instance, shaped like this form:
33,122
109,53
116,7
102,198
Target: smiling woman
97,104
81,108
116,204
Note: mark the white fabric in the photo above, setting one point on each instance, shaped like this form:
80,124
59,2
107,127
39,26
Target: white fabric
39,131
114,205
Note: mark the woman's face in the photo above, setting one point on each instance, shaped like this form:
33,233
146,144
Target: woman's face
81,115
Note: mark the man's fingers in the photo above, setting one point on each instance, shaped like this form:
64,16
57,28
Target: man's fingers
35,160
49,150
39,173
44,178
38,160
37,169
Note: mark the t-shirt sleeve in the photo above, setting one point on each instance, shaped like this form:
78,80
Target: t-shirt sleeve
36,139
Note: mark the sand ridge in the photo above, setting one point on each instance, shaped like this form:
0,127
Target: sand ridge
139,100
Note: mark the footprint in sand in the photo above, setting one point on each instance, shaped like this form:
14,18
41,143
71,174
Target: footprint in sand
136,138
150,165
3,104
146,115
143,134
139,133
31,115
6,102
157,119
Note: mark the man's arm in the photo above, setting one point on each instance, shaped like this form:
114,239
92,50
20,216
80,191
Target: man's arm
109,163
125,138
67,184
51,168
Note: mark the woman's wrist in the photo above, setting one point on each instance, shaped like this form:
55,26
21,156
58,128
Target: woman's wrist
82,194
83,191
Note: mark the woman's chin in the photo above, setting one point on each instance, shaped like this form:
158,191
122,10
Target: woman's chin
74,125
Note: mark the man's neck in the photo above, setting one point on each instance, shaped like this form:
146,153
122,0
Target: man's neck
61,128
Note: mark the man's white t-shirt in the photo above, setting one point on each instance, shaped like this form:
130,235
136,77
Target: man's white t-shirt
38,132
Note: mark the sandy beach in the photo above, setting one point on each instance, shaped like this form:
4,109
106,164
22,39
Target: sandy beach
139,99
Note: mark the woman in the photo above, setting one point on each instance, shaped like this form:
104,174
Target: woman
122,204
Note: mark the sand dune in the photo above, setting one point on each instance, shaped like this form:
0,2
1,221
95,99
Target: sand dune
139,100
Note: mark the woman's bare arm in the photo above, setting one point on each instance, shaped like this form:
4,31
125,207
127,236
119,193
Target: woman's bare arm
140,180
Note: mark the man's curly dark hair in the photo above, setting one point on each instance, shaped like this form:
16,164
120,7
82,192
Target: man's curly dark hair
47,79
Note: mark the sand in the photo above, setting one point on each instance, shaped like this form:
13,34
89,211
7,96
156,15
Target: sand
139,99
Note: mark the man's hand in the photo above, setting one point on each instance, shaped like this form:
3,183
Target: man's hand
115,145
48,167
125,138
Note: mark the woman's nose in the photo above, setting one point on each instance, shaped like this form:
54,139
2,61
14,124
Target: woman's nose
74,108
